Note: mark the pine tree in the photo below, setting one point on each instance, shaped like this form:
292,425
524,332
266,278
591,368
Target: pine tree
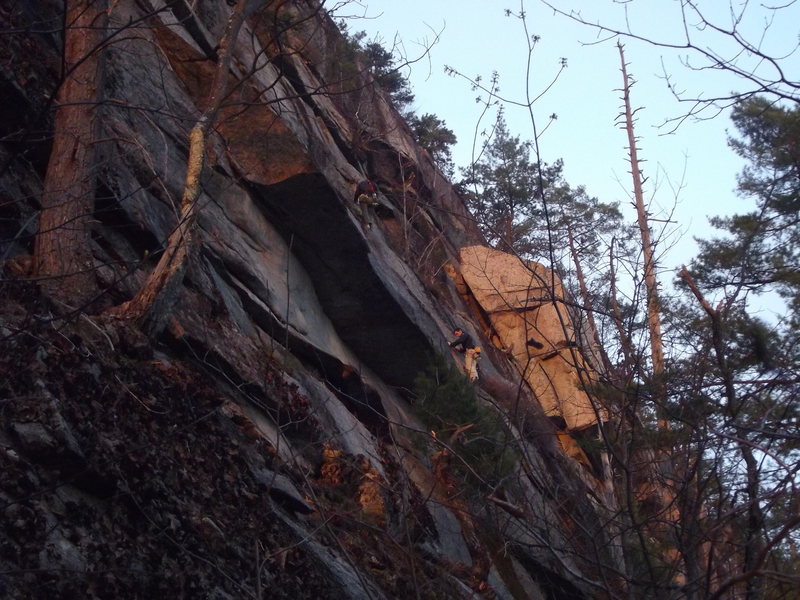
737,407
432,134
761,252
502,190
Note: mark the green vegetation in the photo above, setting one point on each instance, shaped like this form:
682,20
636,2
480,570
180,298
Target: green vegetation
502,190
448,405
430,131
432,134
382,64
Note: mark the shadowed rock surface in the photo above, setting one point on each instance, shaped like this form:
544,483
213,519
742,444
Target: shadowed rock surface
269,442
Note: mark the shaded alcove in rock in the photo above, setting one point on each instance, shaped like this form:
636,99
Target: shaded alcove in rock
346,383
363,402
553,584
129,241
23,135
365,313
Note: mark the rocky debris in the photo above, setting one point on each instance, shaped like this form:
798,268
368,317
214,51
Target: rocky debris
170,496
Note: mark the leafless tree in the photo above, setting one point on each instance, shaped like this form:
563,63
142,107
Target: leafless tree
742,42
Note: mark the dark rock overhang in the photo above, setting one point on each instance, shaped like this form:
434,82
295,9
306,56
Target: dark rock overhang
364,311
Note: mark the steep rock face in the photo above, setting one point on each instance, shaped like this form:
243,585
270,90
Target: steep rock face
299,333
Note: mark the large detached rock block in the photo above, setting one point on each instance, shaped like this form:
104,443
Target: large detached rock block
525,305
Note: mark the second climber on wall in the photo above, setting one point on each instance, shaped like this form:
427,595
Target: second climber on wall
472,353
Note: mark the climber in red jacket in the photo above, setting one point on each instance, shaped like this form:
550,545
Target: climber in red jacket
366,195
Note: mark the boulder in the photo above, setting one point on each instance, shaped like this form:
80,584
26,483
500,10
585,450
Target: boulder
525,303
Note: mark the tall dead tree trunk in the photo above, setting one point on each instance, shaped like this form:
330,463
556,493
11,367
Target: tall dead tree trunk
152,305
63,250
662,471
651,284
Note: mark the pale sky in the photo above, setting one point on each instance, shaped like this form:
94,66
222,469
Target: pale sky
692,170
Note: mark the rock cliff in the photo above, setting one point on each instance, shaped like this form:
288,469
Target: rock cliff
270,442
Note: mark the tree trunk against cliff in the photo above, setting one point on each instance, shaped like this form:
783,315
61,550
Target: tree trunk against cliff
63,250
152,305
653,305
